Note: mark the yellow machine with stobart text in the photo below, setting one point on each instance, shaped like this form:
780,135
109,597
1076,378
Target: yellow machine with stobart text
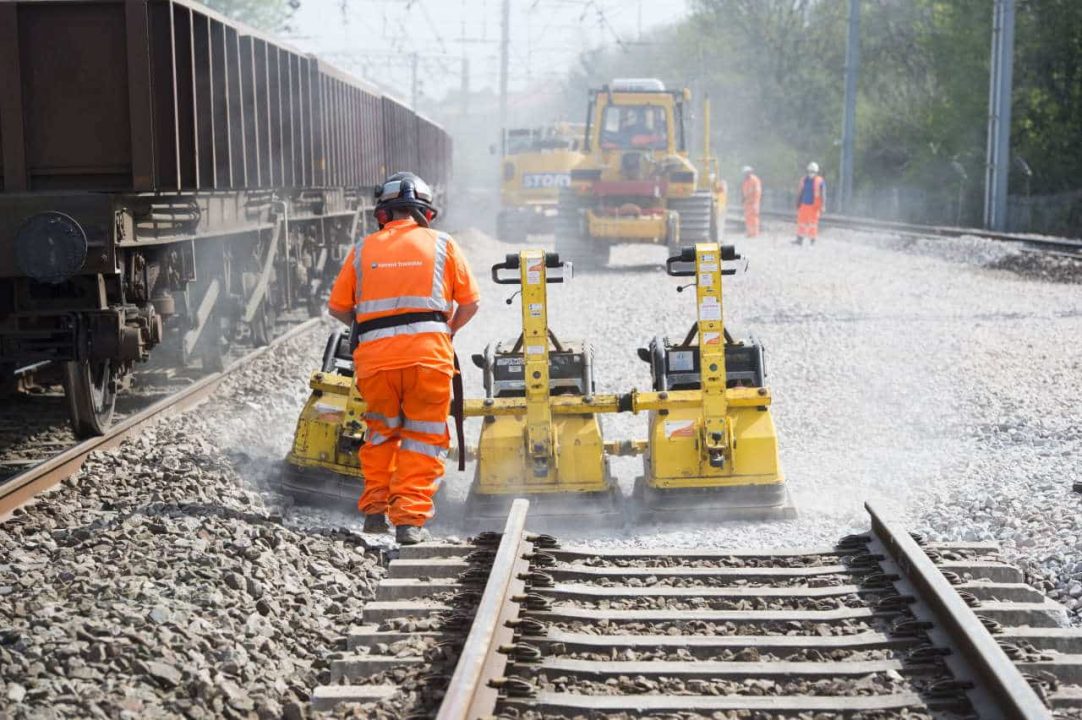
637,182
535,166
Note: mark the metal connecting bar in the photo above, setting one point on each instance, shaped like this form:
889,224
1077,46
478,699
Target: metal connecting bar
27,484
996,675
632,402
471,694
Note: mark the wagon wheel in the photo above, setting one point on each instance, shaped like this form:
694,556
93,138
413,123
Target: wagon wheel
91,394
263,324
211,351
9,383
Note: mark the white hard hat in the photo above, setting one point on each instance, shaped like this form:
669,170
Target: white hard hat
813,168
747,169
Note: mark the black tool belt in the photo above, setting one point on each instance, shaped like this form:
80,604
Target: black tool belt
390,321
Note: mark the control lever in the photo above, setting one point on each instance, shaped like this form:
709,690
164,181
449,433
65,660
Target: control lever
682,288
511,299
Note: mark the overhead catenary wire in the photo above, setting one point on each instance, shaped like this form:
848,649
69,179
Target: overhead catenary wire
539,47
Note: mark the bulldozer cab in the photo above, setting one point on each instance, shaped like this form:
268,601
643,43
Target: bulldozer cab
636,115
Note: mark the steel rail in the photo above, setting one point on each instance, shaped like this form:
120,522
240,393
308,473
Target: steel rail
1072,246
470,694
19,489
994,673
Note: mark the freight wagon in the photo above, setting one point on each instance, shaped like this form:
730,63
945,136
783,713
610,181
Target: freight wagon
169,180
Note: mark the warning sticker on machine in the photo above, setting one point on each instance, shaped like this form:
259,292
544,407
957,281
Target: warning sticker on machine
533,272
709,309
535,349
706,279
708,267
328,413
679,428
711,338
535,309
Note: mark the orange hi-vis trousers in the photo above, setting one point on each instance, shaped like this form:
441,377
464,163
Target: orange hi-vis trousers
402,457
751,219
807,221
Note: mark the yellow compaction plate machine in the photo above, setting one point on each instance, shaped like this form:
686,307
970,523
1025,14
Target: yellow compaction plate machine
711,451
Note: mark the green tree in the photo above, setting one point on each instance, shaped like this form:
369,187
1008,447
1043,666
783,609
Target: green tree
1048,93
775,71
269,15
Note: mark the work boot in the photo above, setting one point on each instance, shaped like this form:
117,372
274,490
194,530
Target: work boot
411,535
376,523
799,240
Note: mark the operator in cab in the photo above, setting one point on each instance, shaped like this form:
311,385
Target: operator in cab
409,289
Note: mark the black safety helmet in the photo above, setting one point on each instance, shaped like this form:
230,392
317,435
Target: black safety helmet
405,191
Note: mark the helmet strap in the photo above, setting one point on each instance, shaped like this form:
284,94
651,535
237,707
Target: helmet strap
420,217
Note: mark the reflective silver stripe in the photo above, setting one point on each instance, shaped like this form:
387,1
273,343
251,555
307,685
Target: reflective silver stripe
377,439
437,269
357,274
422,448
425,426
390,422
412,329
402,302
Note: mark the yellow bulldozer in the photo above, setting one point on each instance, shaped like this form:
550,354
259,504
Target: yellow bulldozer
636,181
535,165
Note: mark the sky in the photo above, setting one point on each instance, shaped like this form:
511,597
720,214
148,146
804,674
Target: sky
376,38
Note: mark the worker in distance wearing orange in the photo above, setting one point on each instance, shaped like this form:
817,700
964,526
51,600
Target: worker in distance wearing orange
409,289
751,192
811,197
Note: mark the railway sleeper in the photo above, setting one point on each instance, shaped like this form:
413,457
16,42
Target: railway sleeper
415,626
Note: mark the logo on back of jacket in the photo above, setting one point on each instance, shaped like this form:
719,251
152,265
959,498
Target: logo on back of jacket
397,264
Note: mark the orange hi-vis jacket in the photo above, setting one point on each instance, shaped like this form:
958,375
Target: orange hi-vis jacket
404,268
752,191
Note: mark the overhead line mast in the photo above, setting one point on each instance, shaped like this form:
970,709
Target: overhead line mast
505,42
999,117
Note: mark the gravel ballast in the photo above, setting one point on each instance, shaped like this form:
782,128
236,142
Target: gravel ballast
156,583
938,379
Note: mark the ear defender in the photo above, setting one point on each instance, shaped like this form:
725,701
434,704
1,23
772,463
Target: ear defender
382,216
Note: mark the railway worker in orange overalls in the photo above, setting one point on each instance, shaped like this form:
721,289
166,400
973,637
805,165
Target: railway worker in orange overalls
810,200
409,289
751,192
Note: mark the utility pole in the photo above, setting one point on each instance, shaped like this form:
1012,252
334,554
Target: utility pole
413,81
505,59
999,117
465,91
849,114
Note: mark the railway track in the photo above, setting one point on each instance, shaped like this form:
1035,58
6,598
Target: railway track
880,625
49,453
1052,245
